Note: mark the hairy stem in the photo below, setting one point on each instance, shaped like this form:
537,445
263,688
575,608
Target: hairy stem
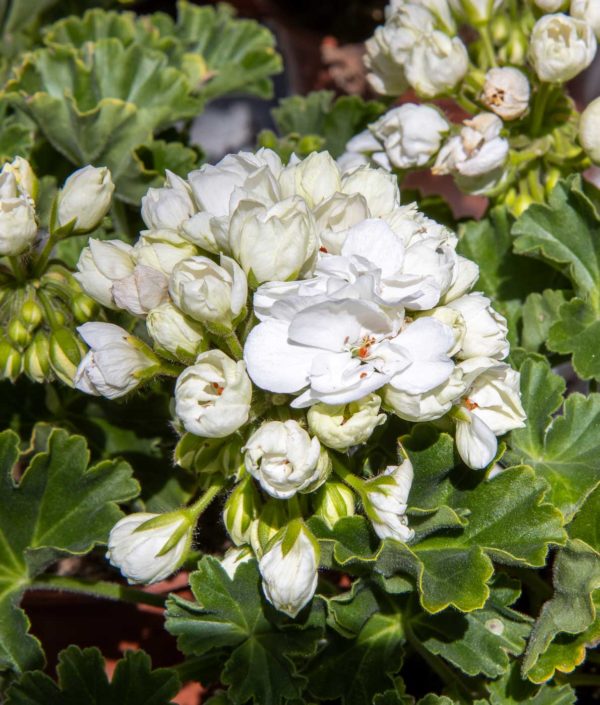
98,588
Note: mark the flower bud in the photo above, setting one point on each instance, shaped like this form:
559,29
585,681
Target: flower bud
84,308
345,425
476,12
589,130
24,175
18,228
66,351
336,215
333,501
36,360
379,189
285,459
588,10
436,64
273,517
100,265
506,92
315,178
144,289
18,333
212,397
486,329
11,361
411,134
31,314
241,510
85,199
234,558
289,569
147,548
116,363
168,208
560,47
175,334
209,293
385,501
162,250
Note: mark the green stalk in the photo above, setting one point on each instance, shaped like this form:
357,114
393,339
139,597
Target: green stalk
234,345
102,589
347,476
42,259
18,268
488,45
539,108
196,509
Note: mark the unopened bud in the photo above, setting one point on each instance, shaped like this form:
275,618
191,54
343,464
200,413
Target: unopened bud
18,333
10,361
37,358
24,175
273,517
85,198
84,308
333,501
241,510
66,351
31,314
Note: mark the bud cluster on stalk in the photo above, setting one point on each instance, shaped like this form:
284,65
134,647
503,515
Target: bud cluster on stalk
506,72
40,300
301,307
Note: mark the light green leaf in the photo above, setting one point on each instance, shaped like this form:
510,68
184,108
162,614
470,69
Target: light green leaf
57,505
564,449
577,332
82,679
586,523
233,614
540,312
571,610
511,689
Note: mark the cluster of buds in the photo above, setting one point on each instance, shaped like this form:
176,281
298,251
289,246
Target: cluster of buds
300,306
520,135
40,303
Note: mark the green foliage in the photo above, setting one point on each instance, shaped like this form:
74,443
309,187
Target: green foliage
82,679
56,505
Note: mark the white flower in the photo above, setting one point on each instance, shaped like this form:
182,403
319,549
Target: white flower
234,558
466,273
588,10
379,189
273,244
289,573
439,8
551,5
162,250
18,227
386,500
212,397
314,178
490,408
168,208
100,265
506,92
144,289
436,64
115,363
486,329
560,47
25,178
336,215
589,130
345,425
284,459
173,332
385,75
333,501
85,198
411,134
475,11
476,157
137,550
209,293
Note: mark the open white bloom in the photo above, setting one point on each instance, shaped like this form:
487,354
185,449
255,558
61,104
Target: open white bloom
551,5
411,134
440,9
284,459
475,11
466,273
234,558
173,332
335,216
209,293
506,92
100,265
136,545
588,10
273,244
315,178
144,289
490,408
115,363
476,157
589,130
560,47
18,227
436,64
289,572
379,189
162,250
168,208
345,425
486,329
85,198
386,499
361,150
212,397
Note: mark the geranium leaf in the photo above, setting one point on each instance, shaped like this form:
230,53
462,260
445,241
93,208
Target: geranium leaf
512,689
82,679
263,647
540,312
564,449
57,505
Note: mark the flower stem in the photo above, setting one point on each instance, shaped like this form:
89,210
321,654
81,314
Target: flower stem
488,46
234,345
347,475
98,588
170,369
539,108
196,509
18,268
42,259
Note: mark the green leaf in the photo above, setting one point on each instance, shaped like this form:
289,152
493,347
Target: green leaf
478,642
511,689
58,505
586,523
577,332
571,610
540,312
82,679
565,449
317,114
233,614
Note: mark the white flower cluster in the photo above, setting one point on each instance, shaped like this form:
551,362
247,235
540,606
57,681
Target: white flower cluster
361,308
